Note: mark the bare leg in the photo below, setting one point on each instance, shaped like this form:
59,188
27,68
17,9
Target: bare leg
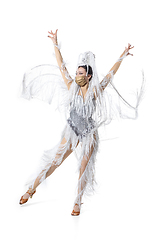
53,166
82,179
51,169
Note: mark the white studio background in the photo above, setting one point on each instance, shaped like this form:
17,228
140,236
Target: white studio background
126,205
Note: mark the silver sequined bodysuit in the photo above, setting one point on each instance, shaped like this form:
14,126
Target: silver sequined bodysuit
80,119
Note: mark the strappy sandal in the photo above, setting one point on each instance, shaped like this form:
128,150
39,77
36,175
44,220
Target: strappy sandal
74,213
24,200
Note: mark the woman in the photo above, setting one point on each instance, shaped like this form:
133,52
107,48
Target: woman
87,111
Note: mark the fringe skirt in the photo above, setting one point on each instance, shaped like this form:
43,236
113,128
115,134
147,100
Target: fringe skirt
87,149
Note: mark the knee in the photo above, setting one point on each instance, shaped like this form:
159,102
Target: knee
54,165
83,165
51,170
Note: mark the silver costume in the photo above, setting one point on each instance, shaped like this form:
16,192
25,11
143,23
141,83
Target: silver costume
85,116
82,123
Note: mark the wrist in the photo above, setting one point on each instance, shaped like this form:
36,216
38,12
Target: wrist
123,55
55,42
56,45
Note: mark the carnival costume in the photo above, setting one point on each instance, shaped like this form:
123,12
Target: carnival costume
84,115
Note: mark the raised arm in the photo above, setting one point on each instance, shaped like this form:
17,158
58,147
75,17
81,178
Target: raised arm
114,69
63,69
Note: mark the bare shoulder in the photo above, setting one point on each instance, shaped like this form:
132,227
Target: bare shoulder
69,84
67,79
96,92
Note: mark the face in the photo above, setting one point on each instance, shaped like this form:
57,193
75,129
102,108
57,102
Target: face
82,72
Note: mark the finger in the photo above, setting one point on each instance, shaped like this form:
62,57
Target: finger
50,33
130,46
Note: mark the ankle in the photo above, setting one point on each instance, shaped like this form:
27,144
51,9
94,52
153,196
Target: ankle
31,191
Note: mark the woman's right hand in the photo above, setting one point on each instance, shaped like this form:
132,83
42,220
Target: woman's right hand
53,36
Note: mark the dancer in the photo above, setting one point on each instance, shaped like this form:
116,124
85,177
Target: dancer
85,102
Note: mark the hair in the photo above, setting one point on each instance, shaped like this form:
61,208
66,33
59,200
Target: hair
90,72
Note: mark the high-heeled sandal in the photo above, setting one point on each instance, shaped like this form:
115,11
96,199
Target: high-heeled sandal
24,200
74,213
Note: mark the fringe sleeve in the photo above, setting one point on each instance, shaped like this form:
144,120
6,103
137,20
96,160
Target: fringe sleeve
44,82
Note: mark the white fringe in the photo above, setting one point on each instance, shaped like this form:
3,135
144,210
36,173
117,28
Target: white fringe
42,82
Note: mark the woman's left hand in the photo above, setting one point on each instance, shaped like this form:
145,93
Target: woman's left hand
127,49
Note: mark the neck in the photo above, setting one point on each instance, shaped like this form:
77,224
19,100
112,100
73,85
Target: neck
85,88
